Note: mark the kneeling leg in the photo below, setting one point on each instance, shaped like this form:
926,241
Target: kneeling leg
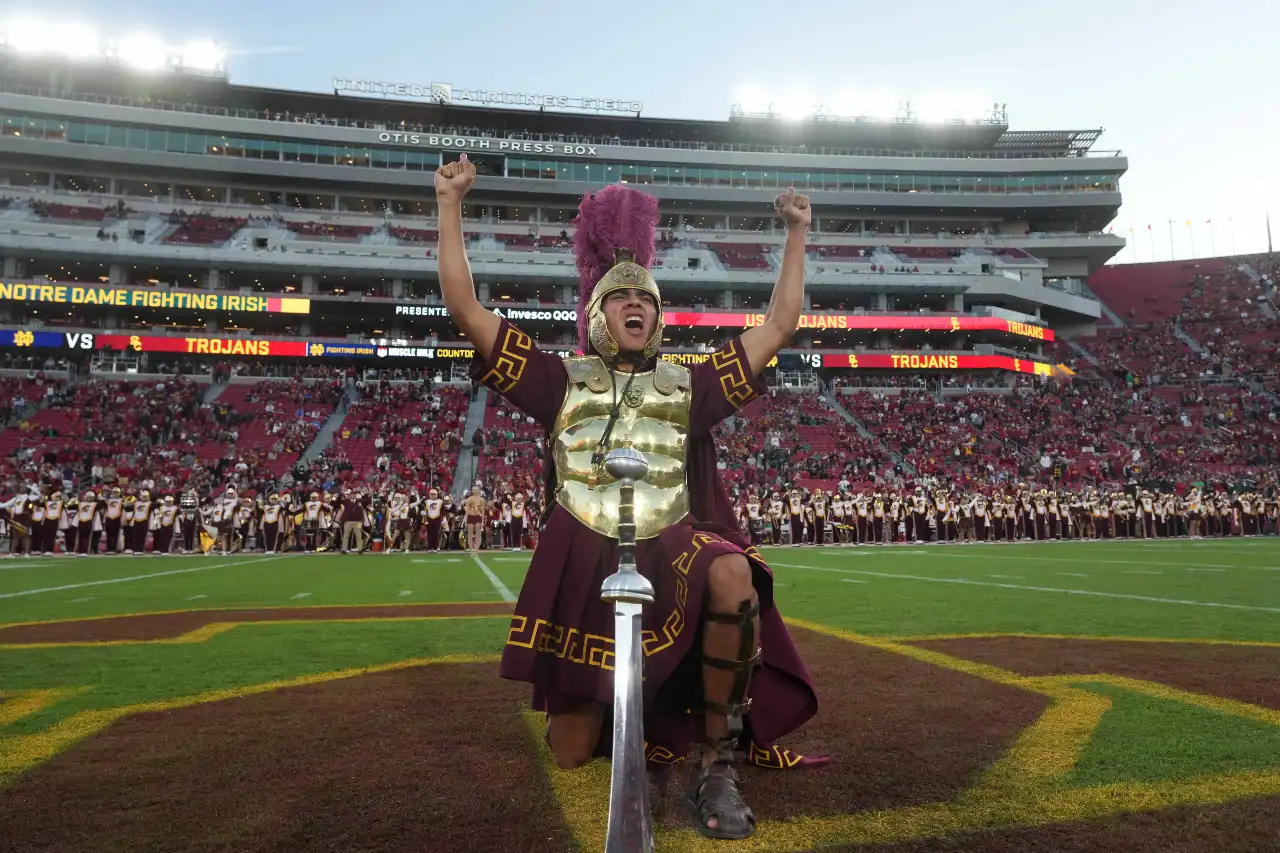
730,656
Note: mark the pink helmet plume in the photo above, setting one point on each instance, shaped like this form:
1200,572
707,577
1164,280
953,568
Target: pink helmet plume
617,217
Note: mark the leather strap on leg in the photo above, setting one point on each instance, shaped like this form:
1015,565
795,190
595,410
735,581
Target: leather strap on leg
749,656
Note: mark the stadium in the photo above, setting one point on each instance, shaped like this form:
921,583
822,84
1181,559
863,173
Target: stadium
1023,496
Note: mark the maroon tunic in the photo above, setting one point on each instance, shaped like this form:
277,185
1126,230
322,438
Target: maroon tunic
561,637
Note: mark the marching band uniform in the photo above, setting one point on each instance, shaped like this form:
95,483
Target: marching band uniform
818,518
70,524
433,515
53,522
141,524
90,526
36,508
167,516
517,520
796,504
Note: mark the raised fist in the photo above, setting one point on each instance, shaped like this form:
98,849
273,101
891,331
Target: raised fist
793,208
453,180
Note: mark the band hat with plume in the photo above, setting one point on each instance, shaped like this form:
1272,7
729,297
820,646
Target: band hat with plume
613,247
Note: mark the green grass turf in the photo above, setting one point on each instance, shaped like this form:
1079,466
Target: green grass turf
233,582
811,583
1144,739
251,654
900,591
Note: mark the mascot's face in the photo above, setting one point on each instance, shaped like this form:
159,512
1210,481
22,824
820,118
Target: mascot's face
630,316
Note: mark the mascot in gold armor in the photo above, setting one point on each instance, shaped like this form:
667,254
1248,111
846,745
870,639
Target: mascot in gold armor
721,671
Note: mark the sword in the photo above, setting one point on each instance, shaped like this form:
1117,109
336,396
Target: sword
630,824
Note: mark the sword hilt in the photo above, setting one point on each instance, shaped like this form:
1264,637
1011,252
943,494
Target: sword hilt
627,465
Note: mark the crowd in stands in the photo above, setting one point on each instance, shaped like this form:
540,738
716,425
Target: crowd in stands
397,432
1177,396
509,447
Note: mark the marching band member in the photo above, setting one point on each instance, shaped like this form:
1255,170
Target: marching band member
838,532
795,503
70,524
517,521
89,525
53,522
818,518
166,518
272,515
877,519
433,516
36,507
140,521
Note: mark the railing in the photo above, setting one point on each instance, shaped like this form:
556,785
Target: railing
412,127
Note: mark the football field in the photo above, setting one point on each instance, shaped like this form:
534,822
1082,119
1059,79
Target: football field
1074,696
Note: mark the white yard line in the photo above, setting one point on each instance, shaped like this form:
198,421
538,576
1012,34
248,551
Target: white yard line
968,582
406,592
1189,569
498,586
301,595
1071,574
134,577
9,565
82,600
197,597
1008,577
1141,572
1034,559
851,580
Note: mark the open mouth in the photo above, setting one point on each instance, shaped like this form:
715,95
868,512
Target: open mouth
634,322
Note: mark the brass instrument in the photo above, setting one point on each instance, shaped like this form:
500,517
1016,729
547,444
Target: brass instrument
630,823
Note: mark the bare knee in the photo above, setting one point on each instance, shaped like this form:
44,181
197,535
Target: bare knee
574,735
729,579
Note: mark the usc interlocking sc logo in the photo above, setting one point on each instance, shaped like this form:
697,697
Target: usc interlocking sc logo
135,343
23,339
955,324
853,360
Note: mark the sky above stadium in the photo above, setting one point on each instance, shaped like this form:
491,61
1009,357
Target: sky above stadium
1189,91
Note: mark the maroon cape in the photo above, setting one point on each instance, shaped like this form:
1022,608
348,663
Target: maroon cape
561,637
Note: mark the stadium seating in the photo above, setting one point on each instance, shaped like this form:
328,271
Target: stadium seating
399,429
512,446
331,231
203,230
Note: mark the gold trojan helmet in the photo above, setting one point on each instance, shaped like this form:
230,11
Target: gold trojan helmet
623,275
613,249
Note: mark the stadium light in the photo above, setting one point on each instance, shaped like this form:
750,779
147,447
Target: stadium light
796,105
753,99
873,103
29,36
939,107
75,41
142,51
203,56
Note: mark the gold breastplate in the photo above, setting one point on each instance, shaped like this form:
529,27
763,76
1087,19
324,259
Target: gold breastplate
653,418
